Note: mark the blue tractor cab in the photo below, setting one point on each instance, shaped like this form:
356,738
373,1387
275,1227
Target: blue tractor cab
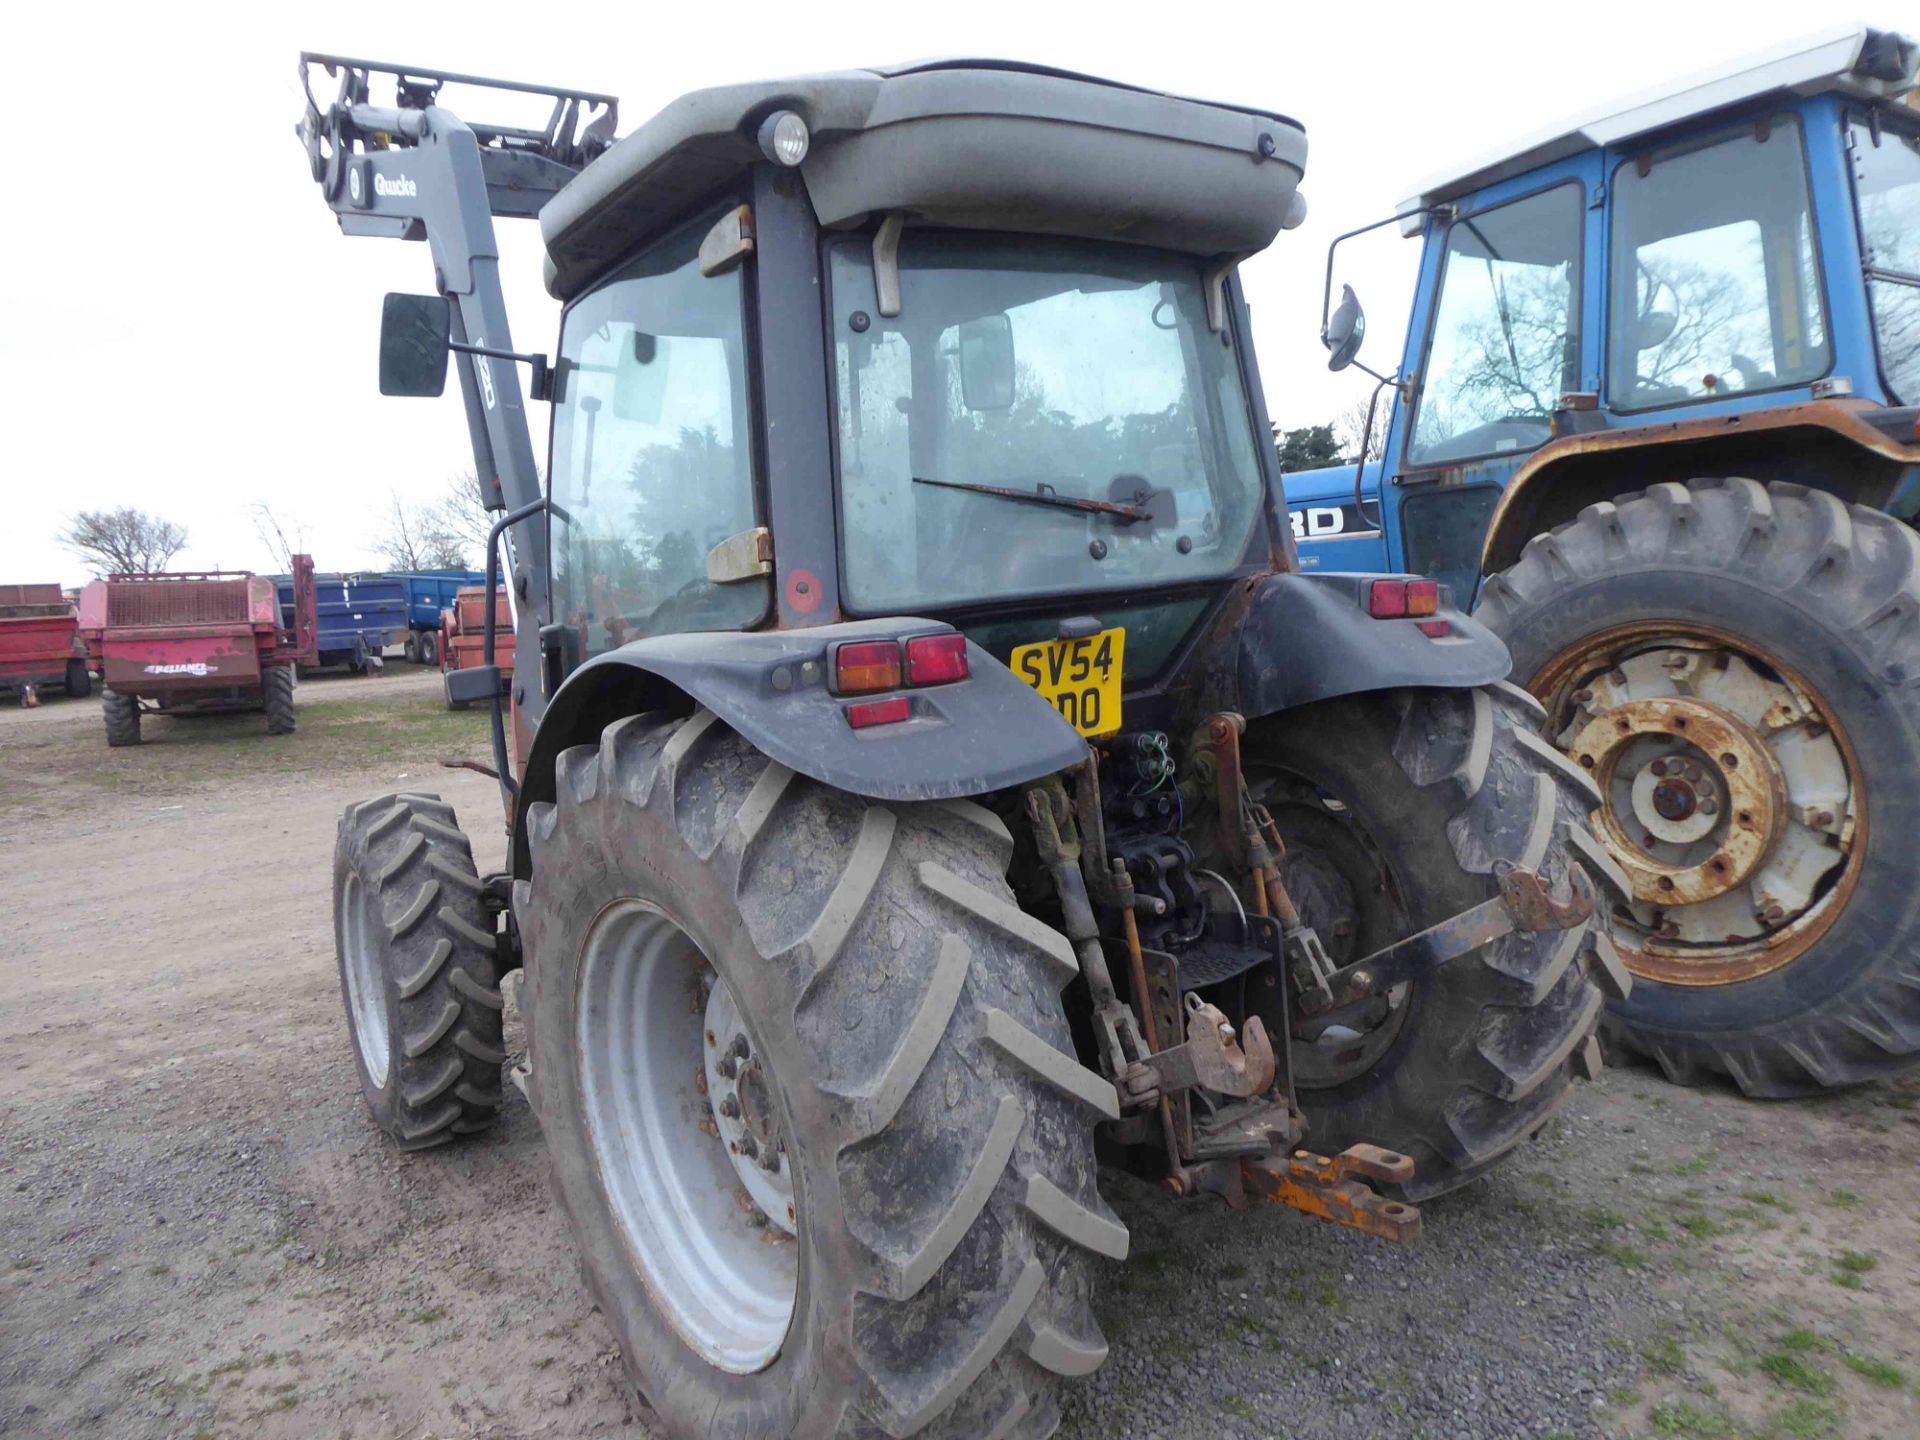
1655,419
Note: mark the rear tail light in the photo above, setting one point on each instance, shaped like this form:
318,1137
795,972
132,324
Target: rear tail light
1436,629
936,659
863,665
878,712
1391,599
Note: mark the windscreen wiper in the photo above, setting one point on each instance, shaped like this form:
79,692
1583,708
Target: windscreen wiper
1124,513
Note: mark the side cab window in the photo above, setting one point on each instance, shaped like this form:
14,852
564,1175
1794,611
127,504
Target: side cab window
652,465
1715,285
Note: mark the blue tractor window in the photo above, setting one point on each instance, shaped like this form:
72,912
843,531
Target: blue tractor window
1506,333
1715,288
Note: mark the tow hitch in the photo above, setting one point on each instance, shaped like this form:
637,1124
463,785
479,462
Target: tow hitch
1525,902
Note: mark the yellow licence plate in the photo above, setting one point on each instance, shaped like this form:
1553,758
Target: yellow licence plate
1079,678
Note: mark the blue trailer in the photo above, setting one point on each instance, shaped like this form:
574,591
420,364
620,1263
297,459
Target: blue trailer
360,615
428,593
1658,414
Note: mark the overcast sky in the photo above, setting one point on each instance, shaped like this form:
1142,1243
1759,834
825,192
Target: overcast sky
183,327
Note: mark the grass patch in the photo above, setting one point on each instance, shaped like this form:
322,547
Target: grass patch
1768,1199
1883,1373
1845,1199
1791,1369
1803,1420
1625,1255
1238,1408
1698,1165
1680,1417
433,1315
1665,1355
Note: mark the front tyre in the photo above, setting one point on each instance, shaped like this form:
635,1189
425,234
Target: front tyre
1735,663
122,714
1396,809
810,1096
79,680
418,969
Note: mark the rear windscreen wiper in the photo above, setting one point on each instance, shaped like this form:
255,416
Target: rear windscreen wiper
1126,514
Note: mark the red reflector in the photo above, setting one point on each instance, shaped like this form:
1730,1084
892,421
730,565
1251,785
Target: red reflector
878,712
1438,629
862,665
1387,599
936,659
1423,597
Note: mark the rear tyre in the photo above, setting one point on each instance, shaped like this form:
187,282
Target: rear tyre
411,649
899,1045
416,951
79,680
429,648
1775,946
1396,808
122,714
277,684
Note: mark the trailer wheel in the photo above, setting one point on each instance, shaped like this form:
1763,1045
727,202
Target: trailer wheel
418,969
1734,662
810,1096
1396,808
79,680
429,648
277,684
122,714
411,648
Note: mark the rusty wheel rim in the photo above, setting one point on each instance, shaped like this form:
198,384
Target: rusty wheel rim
1730,796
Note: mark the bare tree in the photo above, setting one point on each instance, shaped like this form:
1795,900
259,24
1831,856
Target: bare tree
416,538
274,536
463,517
1350,427
123,541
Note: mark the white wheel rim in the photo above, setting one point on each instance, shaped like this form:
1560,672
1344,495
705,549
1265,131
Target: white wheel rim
722,1271
366,987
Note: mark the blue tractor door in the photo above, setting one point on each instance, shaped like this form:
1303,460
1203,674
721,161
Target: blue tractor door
1506,320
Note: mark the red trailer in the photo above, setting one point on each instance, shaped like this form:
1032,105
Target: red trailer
203,643
463,637
40,642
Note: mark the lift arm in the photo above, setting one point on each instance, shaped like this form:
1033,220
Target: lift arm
416,171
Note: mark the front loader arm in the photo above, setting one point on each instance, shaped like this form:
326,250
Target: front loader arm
416,171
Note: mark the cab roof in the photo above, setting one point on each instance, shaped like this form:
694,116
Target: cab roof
983,144
1850,60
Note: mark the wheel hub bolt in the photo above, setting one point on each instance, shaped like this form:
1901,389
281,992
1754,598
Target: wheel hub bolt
740,1047
730,1108
727,1066
1709,805
770,1160
1659,767
749,1147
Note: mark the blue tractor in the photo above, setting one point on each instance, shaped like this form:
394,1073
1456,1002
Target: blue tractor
1656,414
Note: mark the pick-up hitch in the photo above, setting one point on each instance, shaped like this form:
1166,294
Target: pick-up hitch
1525,902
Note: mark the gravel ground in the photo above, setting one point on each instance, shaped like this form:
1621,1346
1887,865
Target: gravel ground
201,1235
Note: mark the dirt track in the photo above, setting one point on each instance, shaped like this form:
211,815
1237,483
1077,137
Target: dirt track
201,1235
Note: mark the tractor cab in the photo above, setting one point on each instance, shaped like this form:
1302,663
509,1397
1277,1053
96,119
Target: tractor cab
1739,246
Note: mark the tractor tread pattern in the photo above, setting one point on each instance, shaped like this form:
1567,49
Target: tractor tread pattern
438,957
277,684
1858,570
926,1005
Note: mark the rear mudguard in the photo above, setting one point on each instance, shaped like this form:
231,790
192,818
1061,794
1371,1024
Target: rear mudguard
1309,637
984,733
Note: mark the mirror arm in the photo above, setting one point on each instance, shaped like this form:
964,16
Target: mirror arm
1326,288
539,382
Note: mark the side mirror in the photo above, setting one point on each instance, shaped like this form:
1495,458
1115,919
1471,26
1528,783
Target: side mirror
639,385
1654,329
1345,330
413,344
986,363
